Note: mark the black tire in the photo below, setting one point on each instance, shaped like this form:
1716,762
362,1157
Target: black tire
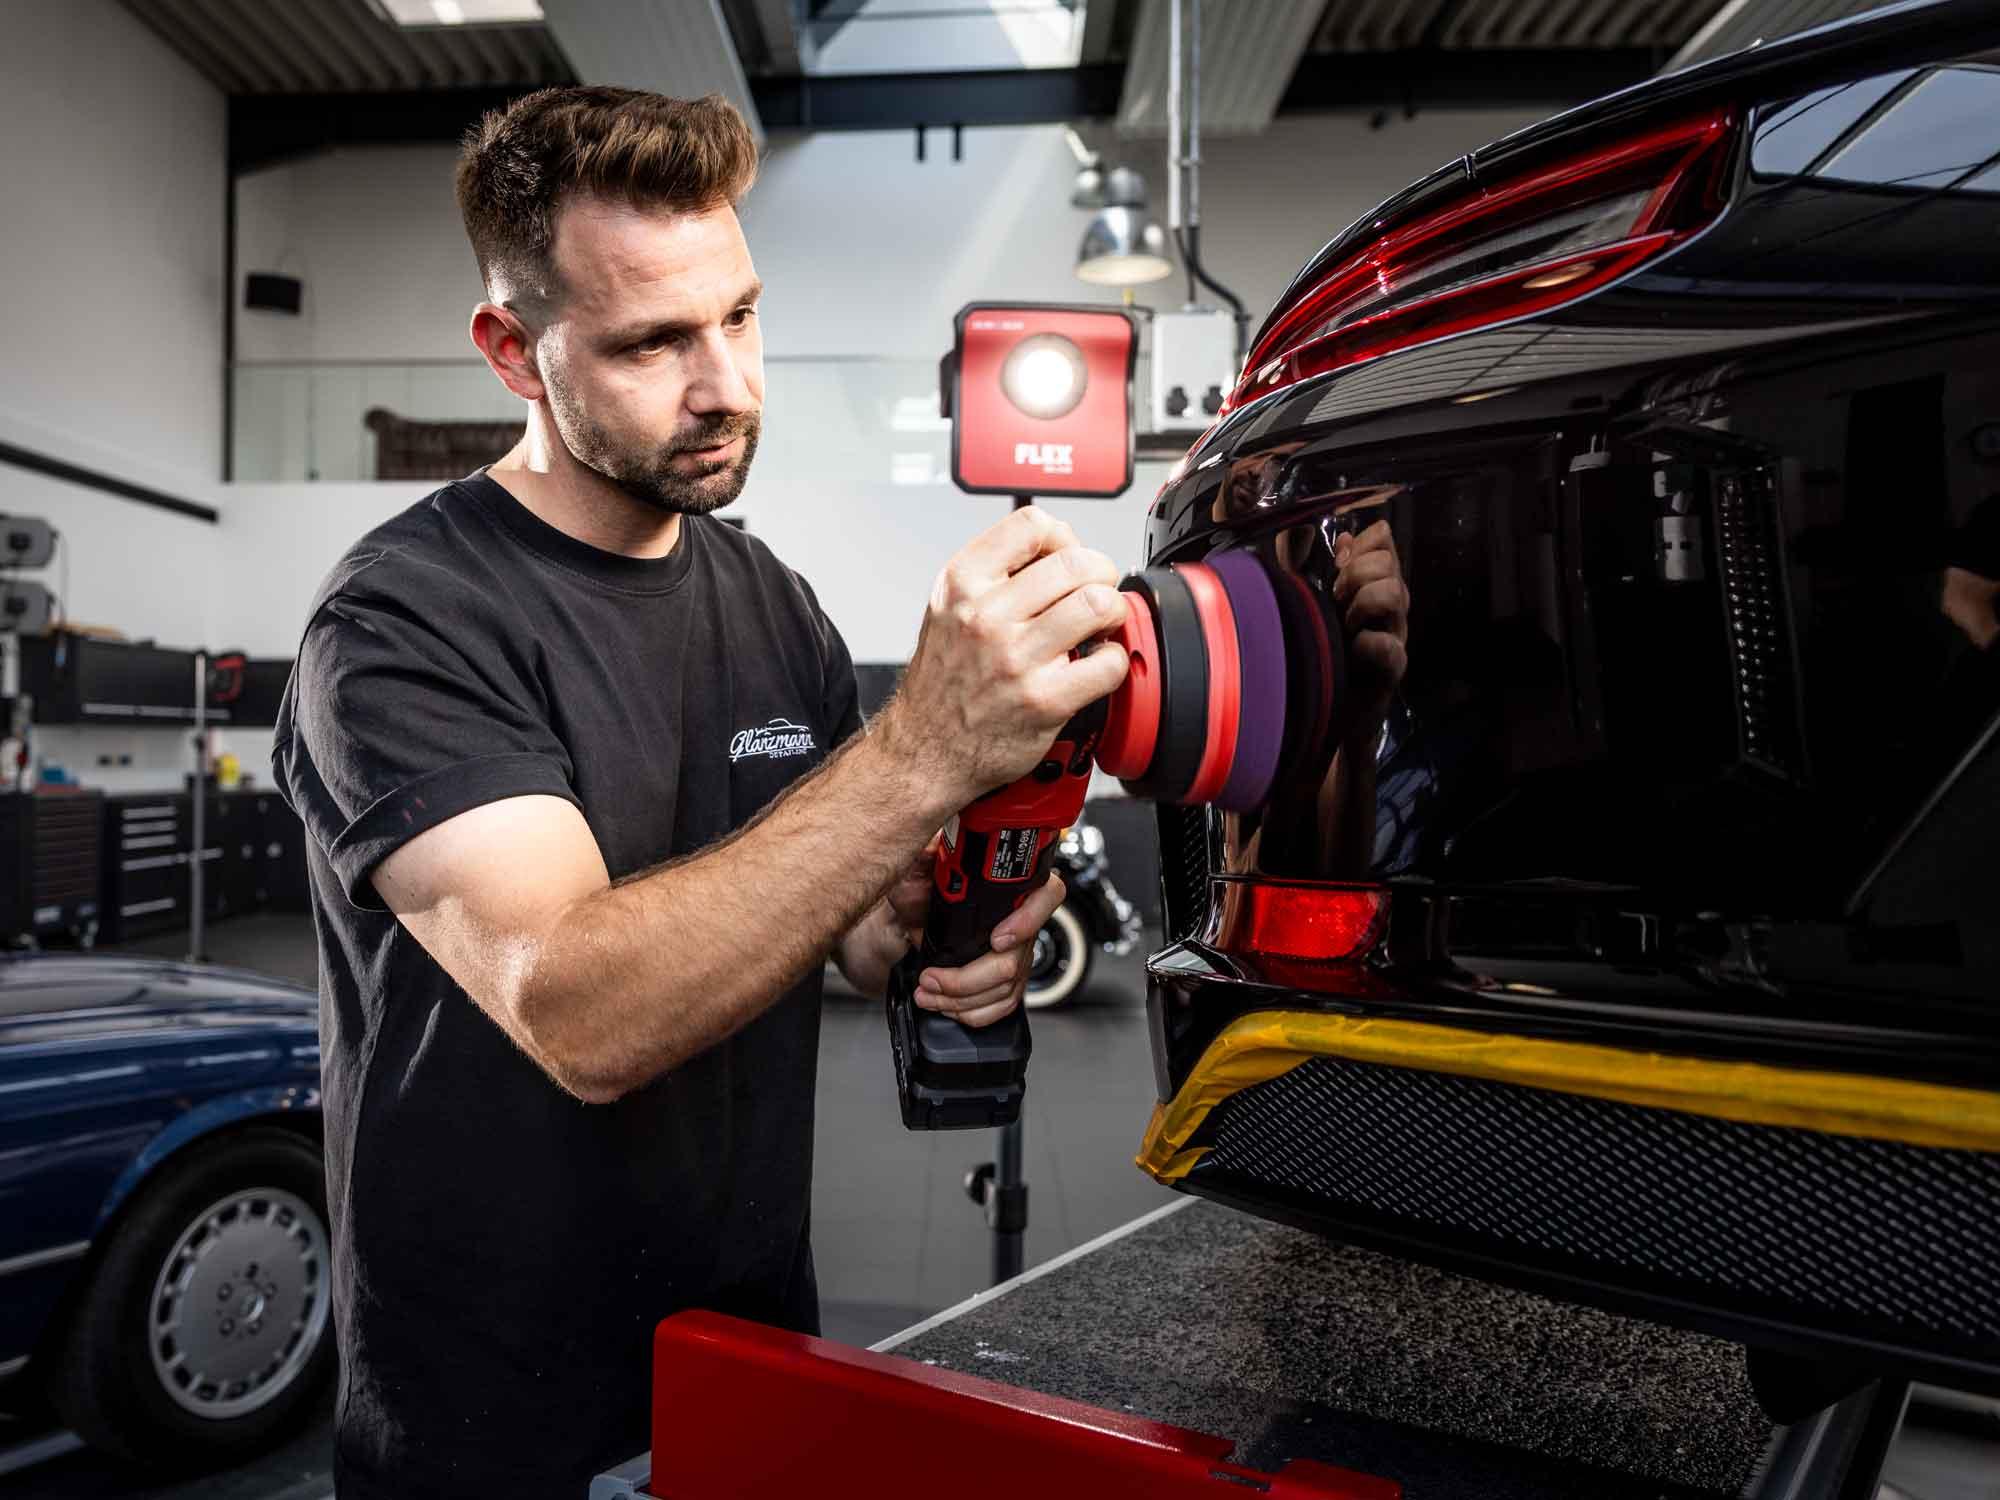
105,1383
1060,963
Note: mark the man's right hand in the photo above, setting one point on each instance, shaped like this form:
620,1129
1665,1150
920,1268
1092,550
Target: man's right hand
992,681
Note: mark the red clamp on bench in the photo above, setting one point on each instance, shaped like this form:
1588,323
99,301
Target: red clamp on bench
752,1413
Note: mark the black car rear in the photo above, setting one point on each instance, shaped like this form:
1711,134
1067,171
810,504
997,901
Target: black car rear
1638,937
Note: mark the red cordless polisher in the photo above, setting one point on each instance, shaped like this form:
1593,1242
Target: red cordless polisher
1216,649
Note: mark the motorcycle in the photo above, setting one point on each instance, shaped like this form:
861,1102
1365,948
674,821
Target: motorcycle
1092,918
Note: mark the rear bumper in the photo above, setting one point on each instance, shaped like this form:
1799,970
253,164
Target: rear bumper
1837,1215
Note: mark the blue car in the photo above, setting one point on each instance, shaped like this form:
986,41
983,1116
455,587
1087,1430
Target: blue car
163,1240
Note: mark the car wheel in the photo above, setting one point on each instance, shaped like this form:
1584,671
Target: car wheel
203,1334
1060,962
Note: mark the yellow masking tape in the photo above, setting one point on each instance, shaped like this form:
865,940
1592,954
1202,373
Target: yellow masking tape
1263,1044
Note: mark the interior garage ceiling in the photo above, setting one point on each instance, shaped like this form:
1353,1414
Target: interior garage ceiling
305,74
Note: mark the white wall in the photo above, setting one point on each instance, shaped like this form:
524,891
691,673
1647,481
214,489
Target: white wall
111,243
112,189
390,283
862,248
277,541
375,236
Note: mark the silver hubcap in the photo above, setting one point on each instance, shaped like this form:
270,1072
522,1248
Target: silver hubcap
240,1304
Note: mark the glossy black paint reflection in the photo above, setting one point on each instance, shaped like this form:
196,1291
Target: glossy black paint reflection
1695,740
1702,577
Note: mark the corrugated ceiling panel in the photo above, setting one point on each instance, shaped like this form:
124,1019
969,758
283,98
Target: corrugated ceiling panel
344,46
677,47
1245,64
1394,25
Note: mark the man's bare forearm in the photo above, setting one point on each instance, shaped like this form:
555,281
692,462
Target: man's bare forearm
634,979
868,950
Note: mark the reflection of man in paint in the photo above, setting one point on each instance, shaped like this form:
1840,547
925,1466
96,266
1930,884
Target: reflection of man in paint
1371,602
1326,828
1971,590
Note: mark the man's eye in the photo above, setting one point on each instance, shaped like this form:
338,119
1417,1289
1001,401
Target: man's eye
741,316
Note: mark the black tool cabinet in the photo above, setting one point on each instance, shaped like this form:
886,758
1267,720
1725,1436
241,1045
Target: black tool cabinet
254,848
49,863
76,864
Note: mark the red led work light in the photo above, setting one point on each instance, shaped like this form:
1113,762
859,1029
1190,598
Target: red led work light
1040,400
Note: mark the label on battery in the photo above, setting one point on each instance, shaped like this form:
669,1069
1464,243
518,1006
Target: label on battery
1013,854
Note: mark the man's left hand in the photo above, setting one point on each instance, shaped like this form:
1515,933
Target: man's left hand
990,987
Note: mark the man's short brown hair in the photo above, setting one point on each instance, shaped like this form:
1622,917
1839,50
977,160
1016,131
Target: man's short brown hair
521,165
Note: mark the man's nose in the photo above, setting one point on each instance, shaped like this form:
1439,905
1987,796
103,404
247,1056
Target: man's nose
716,384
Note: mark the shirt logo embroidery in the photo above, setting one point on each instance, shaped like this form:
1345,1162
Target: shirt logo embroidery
776,740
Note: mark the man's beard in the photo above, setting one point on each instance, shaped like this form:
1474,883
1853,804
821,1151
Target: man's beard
652,477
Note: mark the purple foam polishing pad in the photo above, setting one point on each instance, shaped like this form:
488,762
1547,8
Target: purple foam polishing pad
1260,636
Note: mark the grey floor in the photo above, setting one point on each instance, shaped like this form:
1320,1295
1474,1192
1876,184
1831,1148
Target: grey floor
895,1236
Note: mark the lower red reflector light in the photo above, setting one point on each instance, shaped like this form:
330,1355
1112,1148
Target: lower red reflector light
1314,923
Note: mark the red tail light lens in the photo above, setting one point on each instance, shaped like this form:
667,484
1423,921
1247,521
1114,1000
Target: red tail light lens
1319,924
1520,247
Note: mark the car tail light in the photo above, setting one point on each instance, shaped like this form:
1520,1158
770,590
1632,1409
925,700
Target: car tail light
1297,922
1519,247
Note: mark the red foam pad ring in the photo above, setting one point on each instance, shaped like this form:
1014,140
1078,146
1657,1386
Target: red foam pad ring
1183,674
1132,720
1225,681
1260,640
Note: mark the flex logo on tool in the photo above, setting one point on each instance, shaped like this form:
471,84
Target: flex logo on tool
1050,458
775,741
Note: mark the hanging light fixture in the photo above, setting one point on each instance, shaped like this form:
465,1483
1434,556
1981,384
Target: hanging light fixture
1123,246
1088,190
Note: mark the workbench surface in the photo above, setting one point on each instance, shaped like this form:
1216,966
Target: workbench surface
1296,1347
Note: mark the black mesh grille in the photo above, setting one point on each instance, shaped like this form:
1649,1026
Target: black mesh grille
1183,869
1899,1234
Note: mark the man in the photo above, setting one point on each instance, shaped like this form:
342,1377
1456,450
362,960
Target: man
588,810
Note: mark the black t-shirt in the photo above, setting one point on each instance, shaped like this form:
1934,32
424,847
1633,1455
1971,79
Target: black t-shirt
501,1250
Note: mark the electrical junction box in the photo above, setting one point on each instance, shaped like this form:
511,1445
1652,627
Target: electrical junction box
1194,365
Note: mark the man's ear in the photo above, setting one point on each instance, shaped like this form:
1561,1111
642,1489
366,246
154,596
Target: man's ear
509,349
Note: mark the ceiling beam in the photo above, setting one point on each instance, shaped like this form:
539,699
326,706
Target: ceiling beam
898,101
265,129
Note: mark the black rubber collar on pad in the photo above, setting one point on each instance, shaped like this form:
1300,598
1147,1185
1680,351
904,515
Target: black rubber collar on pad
1183,686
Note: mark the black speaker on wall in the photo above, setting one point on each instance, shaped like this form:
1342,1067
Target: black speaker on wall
266,291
